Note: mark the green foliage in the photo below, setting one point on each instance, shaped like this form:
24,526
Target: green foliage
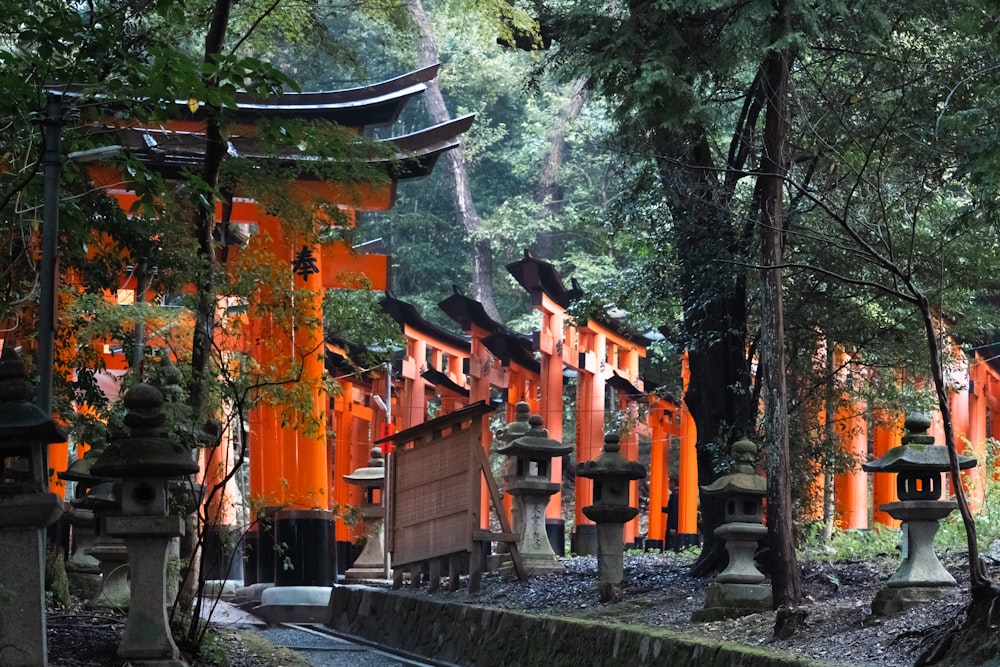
848,545
355,315
952,537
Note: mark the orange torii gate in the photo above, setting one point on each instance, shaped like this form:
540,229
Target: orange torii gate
975,412
432,351
985,379
850,488
439,363
499,358
664,419
290,469
551,298
433,364
597,352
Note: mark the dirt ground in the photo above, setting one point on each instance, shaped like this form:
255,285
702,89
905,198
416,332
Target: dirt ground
657,592
82,637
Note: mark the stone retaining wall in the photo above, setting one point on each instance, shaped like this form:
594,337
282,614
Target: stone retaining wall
468,635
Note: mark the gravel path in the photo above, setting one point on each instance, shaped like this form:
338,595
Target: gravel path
657,592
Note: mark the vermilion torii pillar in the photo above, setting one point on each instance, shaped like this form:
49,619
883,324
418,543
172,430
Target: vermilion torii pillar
596,351
490,343
886,435
687,499
499,358
664,430
550,297
850,488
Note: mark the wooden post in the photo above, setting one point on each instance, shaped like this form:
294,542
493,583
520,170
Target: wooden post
978,384
590,433
659,472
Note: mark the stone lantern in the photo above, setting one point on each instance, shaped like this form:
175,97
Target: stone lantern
145,460
26,509
96,569
530,480
95,498
739,589
612,474
506,435
370,563
511,430
919,464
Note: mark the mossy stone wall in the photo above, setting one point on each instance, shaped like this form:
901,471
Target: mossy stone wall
465,634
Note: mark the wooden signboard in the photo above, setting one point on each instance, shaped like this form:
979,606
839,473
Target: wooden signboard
436,474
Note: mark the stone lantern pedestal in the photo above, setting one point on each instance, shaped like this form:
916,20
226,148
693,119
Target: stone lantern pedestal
530,480
919,464
511,431
23,519
145,459
83,570
111,553
370,564
108,552
612,474
26,509
147,640
739,589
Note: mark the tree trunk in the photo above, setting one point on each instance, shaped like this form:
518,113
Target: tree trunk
785,577
203,224
550,191
718,406
711,254
465,208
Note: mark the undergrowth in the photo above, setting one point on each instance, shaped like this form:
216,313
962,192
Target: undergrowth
851,545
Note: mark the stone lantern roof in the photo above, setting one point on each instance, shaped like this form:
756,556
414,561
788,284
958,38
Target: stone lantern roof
536,442
22,420
371,475
743,479
518,427
145,451
611,464
917,451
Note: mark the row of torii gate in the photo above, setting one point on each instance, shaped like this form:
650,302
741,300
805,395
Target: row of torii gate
298,462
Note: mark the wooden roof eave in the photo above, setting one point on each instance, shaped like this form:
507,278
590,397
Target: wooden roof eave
540,277
510,347
443,382
338,362
467,312
622,385
406,315
171,153
363,106
505,344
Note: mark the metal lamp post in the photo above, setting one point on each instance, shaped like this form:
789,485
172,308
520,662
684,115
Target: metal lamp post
49,279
